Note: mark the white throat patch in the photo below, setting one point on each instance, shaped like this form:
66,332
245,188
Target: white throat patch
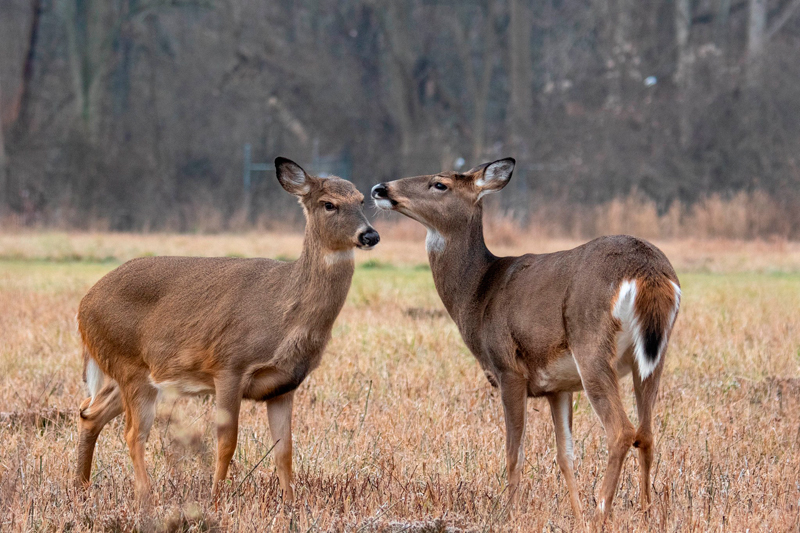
332,258
434,242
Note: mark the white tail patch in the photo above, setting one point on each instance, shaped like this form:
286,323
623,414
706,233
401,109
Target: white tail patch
94,379
631,333
672,317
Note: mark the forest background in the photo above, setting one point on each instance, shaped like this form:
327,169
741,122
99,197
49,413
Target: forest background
666,118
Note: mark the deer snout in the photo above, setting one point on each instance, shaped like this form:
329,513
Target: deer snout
380,193
368,239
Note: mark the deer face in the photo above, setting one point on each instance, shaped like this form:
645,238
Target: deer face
333,208
443,202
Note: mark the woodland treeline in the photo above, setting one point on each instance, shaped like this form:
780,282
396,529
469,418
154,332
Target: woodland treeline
134,114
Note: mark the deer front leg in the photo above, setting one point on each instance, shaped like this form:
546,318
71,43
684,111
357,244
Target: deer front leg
279,412
229,399
514,394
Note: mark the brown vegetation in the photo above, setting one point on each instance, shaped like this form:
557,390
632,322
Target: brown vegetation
398,429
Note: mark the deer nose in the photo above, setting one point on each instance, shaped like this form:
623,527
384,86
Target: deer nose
369,238
380,192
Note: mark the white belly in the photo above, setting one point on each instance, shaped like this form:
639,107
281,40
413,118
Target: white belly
560,375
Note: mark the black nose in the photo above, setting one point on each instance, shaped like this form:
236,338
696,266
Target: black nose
369,238
380,192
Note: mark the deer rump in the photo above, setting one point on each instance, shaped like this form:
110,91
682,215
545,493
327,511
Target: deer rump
536,307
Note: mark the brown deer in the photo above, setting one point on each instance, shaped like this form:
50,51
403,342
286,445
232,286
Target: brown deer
239,328
549,324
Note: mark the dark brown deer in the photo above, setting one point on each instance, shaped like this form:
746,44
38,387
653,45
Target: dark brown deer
239,328
549,324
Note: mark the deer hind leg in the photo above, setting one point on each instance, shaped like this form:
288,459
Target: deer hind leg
94,415
279,412
514,394
140,411
601,385
646,392
561,410
229,399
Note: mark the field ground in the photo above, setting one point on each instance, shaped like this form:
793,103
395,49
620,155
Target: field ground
398,430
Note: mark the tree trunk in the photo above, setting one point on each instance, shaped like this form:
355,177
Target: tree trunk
400,82
3,163
481,103
21,108
683,72
619,47
89,38
756,30
721,24
520,113
478,86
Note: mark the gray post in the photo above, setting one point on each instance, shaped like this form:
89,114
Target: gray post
247,165
246,181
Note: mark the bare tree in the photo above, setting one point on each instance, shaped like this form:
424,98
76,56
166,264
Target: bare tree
520,74
617,21
479,83
399,64
3,162
756,28
21,108
759,32
683,72
141,110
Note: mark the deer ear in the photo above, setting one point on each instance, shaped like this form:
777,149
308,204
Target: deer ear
491,177
292,177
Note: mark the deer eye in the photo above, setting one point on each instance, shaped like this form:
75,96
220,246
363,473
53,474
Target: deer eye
439,186
329,206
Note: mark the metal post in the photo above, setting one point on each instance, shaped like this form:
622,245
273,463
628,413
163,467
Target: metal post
246,203
247,165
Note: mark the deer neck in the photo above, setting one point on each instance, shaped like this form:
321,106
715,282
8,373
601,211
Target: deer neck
320,277
459,261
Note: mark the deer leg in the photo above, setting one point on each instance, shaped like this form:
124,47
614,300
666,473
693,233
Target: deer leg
229,400
601,385
279,412
514,394
94,415
646,392
561,410
140,411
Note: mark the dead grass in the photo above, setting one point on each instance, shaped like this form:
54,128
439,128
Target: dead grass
398,430
400,246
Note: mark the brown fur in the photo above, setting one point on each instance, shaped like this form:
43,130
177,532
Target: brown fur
240,328
522,316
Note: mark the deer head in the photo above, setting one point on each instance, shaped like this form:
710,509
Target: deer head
333,208
444,202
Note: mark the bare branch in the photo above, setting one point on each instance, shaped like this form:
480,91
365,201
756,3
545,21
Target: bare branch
782,19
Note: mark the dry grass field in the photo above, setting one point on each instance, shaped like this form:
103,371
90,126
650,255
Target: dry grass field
398,430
